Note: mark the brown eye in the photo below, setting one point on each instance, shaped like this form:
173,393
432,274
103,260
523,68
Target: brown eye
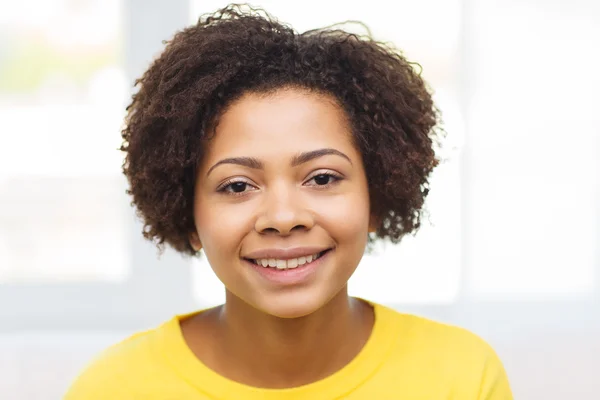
238,187
235,188
323,179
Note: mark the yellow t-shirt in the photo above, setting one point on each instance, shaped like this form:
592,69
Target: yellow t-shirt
406,357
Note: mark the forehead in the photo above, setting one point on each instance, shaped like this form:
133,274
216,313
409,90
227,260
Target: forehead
285,121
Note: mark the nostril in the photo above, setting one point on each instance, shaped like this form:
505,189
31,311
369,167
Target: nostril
272,230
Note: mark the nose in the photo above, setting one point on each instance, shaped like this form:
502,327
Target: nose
283,211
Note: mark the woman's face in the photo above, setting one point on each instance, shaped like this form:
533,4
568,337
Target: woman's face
281,202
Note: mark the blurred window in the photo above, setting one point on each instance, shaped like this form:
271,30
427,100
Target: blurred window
534,147
63,215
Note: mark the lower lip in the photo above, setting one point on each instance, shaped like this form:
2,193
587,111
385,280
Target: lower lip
290,276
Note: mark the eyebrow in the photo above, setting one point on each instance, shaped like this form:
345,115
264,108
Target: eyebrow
301,158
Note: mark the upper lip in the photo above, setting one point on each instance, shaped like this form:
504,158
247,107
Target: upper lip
285,253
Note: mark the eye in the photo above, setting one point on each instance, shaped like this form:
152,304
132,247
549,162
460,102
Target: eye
324,179
235,187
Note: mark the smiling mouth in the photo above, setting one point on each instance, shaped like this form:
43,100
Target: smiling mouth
290,263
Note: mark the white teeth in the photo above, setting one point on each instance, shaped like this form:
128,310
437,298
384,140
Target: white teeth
286,264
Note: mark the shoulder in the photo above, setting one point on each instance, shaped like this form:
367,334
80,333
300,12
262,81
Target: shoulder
443,337
450,353
429,336
121,369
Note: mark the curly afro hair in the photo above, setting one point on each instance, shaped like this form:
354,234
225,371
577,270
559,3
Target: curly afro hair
236,50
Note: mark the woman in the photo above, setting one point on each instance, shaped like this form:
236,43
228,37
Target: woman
281,156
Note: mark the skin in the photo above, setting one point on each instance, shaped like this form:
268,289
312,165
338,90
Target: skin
267,334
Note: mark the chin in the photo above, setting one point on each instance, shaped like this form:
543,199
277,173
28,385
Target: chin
289,306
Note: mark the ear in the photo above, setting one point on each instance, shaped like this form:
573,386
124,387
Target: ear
195,241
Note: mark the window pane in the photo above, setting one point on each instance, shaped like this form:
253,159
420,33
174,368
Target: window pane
62,93
534,140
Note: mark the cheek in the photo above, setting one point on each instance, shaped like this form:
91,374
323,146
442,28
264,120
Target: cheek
221,228
347,217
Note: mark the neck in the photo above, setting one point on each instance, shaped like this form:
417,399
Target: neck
265,351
